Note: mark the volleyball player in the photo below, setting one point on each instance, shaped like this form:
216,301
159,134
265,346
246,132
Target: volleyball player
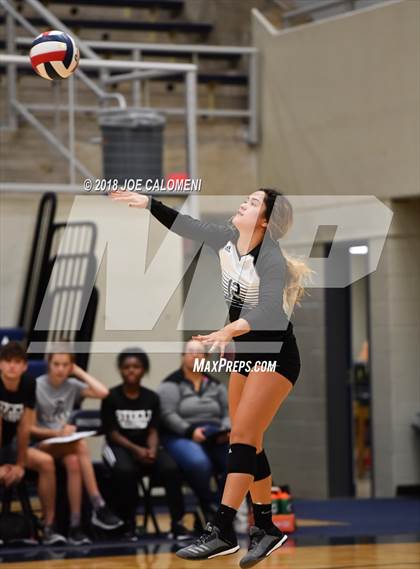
261,285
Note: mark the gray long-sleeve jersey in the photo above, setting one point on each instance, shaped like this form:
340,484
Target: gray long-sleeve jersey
253,283
182,408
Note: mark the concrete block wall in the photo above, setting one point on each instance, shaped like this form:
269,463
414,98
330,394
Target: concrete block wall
395,353
334,120
296,441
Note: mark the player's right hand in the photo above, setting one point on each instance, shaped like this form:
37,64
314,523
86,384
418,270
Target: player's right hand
68,430
132,199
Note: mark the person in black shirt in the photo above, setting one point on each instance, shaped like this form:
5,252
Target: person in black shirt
17,416
261,285
17,398
130,419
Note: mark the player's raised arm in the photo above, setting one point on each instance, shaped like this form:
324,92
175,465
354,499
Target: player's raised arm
182,224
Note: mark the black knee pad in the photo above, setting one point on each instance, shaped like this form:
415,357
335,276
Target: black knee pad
262,469
242,459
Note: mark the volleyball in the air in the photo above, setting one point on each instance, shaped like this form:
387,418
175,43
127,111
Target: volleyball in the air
54,55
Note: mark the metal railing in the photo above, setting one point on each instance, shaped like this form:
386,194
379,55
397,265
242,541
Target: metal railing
12,16
138,50
136,71
313,8
188,70
15,108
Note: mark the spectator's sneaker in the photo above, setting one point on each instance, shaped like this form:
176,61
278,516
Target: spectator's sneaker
23,541
51,537
78,537
131,535
262,544
103,518
179,532
131,532
208,545
28,541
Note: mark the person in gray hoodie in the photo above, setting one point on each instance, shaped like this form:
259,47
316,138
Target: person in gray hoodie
195,426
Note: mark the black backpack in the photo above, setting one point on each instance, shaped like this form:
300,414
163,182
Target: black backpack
15,527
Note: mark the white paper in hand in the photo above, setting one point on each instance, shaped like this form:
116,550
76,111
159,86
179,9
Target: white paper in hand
70,438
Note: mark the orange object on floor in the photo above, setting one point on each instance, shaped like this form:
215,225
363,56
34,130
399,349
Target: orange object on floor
285,522
282,509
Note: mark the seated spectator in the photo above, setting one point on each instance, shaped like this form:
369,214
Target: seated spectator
192,404
17,403
57,393
17,397
130,417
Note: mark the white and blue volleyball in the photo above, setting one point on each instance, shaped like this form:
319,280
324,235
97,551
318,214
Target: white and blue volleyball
54,55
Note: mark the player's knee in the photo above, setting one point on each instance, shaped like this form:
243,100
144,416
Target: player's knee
46,464
241,459
82,448
72,463
262,470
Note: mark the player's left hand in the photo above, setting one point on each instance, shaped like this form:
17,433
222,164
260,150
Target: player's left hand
219,339
14,475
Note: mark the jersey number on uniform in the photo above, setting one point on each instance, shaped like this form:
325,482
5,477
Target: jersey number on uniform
234,290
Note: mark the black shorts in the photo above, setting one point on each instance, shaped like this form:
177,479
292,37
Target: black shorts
287,360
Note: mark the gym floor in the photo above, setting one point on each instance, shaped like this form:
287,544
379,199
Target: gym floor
331,534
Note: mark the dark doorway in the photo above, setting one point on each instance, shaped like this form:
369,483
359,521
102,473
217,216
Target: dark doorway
338,361
348,378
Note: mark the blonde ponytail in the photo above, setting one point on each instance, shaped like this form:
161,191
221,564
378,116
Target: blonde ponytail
298,275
